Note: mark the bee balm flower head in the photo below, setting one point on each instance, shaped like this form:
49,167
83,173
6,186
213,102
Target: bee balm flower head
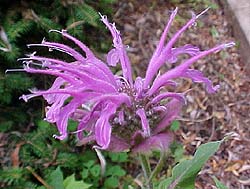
115,112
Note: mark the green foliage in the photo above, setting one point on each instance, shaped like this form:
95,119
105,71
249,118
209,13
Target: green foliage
118,157
71,183
111,182
60,164
164,183
17,178
86,14
177,152
214,32
91,173
185,172
23,22
175,125
219,184
12,175
55,179
115,171
10,88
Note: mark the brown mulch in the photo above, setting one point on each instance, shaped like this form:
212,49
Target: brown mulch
206,117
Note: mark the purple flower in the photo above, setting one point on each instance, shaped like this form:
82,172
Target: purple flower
115,112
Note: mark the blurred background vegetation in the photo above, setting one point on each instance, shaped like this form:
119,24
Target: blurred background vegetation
23,22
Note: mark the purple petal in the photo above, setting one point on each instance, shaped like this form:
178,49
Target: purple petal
62,48
53,111
113,57
118,145
159,108
117,99
64,76
85,140
138,85
163,36
103,127
137,138
90,81
78,93
88,52
63,117
123,57
186,49
103,132
166,52
107,72
51,98
121,118
198,77
180,70
159,142
173,110
151,70
91,59
178,96
79,114
29,96
75,77
87,123
144,121
96,68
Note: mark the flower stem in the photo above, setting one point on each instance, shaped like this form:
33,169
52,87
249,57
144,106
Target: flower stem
146,170
158,167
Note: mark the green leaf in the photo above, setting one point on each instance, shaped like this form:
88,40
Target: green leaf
214,32
71,183
72,125
108,1
86,13
219,184
119,157
165,183
175,125
18,28
184,173
68,160
85,173
89,163
43,124
179,153
5,126
115,171
11,175
17,82
56,179
95,170
40,187
47,24
111,182
90,15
